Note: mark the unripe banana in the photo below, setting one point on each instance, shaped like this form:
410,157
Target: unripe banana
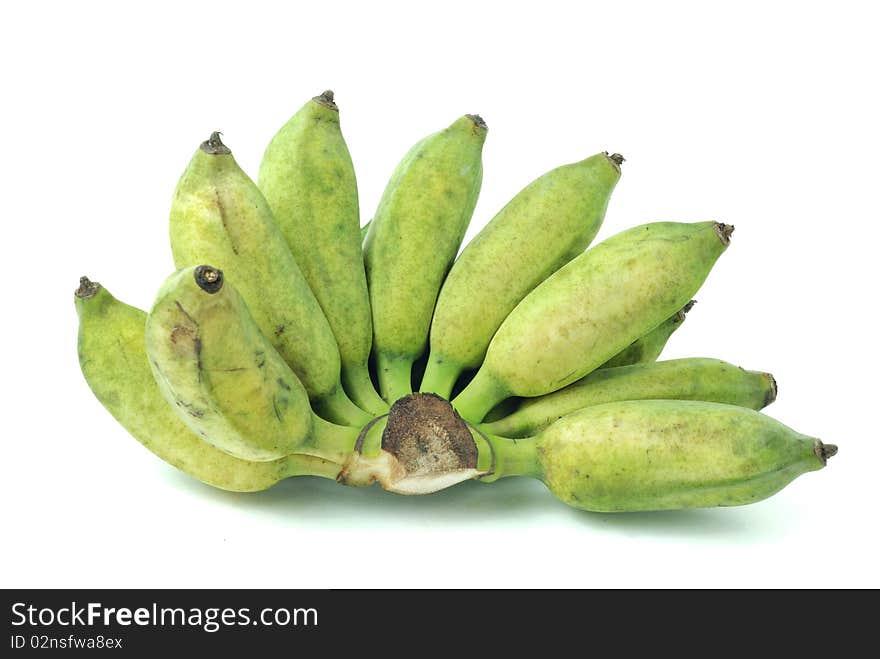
662,455
114,363
592,308
548,223
219,216
678,379
412,240
224,378
308,179
647,348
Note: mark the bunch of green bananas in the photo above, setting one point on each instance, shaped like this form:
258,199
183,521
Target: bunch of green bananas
290,341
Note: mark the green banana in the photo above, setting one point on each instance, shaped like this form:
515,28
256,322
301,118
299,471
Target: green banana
647,348
219,216
413,239
224,378
661,455
114,362
680,379
308,179
591,309
546,225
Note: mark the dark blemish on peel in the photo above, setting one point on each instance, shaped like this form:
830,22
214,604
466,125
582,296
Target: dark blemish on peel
178,332
185,313
222,211
197,347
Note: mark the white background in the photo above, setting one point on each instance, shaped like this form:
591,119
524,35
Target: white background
763,115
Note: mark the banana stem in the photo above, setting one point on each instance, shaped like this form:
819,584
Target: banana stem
440,377
513,457
339,409
330,441
356,379
481,395
395,376
309,465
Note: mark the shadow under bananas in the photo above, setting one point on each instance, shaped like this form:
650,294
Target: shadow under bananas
306,500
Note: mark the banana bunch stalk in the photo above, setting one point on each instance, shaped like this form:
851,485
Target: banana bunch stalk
290,339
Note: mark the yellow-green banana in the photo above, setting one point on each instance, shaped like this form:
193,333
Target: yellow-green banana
114,362
645,349
548,223
224,378
412,240
592,308
308,179
679,379
614,457
219,216
661,455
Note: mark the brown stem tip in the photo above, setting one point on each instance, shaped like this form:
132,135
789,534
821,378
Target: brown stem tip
724,232
773,391
209,279
824,451
215,146
326,99
680,316
87,288
478,121
616,158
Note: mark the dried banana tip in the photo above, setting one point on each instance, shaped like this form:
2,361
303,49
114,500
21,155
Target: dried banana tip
824,451
209,279
214,145
478,121
724,231
680,316
87,288
325,98
773,391
616,158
